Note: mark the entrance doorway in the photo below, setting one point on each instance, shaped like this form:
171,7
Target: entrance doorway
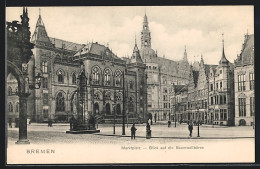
118,109
108,112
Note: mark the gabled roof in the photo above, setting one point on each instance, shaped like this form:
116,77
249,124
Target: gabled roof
180,88
207,68
96,49
196,66
247,53
58,43
195,77
40,33
136,57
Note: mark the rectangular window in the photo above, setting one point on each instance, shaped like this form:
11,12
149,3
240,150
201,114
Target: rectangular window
206,104
220,85
220,99
149,105
241,83
211,87
220,71
165,105
211,100
242,107
45,82
45,113
225,114
221,114
165,90
252,106
45,98
224,99
44,67
216,114
252,81
164,97
217,86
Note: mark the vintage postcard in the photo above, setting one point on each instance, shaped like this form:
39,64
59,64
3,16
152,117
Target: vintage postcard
130,84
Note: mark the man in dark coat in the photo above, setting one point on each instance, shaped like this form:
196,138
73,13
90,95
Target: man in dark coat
169,123
190,127
133,129
10,123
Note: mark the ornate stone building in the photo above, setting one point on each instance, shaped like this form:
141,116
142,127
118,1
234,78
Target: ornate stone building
162,74
245,83
209,94
221,93
113,85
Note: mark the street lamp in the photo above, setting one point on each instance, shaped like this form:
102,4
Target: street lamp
97,117
175,110
36,84
114,127
198,122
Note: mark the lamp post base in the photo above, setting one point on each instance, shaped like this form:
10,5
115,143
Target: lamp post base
22,141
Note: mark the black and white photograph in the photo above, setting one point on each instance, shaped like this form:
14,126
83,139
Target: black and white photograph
130,84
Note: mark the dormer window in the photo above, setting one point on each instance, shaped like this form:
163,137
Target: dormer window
107,52
60,76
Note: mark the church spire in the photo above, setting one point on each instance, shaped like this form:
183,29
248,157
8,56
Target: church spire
185,58
39,21
135,47
201,60
145,34
40,33
145,17
136,57
223,59
25,25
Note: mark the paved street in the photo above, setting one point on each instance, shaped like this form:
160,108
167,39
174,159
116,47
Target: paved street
41,133
170,145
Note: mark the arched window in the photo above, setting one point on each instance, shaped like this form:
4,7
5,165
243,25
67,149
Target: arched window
96,76
10,107
60,76
17,107
60,102
107,96
131,105
96,108
107,77
131,84
118,78
9,91
118,97
97,96
74,78
108,108
73,102
44,67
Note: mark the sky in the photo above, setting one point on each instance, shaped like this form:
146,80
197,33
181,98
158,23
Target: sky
199,28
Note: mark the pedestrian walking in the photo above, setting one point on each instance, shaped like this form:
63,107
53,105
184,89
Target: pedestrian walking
169,123
10,123
133,129
149,121
50,122
190,127
148,131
